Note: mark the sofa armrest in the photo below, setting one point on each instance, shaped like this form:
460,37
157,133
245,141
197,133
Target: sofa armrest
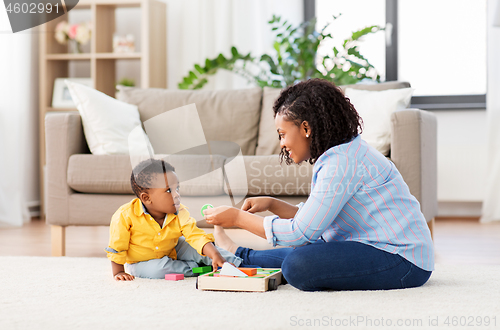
63,137
414,152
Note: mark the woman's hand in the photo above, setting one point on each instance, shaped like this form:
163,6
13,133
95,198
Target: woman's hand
257,204
224,216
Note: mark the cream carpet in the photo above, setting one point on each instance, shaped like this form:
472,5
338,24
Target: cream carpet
79,293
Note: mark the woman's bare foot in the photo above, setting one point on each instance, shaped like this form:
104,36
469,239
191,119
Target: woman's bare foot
223,241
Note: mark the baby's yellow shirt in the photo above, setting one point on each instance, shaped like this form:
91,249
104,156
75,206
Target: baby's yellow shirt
135,236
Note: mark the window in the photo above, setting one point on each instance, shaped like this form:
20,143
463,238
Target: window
372,46
438,46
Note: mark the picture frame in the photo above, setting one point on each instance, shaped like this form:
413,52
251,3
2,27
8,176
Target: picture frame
123,44
61,98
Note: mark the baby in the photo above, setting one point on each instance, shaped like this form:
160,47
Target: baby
154,234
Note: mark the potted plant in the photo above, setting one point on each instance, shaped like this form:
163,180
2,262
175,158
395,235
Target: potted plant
295,59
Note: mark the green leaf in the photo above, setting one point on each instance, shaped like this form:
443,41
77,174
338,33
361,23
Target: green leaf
355,64
200,84
199,69
276,46
370,29
221,59
270,61
262,83
276,83
234,51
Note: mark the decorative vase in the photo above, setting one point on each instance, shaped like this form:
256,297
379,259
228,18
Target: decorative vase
76,47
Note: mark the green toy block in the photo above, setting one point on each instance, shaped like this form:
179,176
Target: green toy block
202,270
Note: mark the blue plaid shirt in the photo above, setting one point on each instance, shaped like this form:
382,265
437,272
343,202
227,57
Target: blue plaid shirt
358,195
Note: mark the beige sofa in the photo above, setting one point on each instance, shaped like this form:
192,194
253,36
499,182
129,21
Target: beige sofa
85,189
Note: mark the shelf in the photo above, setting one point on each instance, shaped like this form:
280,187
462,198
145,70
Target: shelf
115,3
69,57
88,56
47,109
118,56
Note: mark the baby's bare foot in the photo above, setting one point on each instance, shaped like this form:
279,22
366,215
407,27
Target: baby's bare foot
223,241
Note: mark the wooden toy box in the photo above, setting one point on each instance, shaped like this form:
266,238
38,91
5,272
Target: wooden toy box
266,279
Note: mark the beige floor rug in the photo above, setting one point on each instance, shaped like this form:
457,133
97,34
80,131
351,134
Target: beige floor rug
79,293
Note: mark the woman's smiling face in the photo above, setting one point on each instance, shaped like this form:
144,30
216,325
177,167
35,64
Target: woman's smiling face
296,140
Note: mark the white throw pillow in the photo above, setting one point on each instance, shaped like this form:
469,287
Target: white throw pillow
107,122
375,108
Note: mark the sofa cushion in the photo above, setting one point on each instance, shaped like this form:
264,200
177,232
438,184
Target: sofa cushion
108,123
110,174
268,142
375,108
266,176
226,115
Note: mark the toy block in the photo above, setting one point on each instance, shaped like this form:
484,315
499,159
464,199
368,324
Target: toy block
249,271
230,270
202,270
266,279
174,277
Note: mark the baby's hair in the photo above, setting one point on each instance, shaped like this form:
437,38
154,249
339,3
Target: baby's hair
331,116
144,174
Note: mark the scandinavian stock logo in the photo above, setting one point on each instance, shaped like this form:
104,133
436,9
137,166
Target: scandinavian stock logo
25,14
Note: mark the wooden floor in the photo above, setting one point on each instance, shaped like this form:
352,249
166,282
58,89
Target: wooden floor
457,241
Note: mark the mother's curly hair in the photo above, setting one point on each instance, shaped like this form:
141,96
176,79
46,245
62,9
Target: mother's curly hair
331,116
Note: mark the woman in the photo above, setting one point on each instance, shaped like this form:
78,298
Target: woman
366,229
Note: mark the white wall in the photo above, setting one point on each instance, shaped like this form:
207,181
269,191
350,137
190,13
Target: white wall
491,209
462,159
32,169
464,149
461,155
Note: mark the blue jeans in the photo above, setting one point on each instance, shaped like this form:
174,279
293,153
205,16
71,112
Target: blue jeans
344,265
262,258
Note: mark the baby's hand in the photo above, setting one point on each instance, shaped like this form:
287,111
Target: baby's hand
218,261
122,276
